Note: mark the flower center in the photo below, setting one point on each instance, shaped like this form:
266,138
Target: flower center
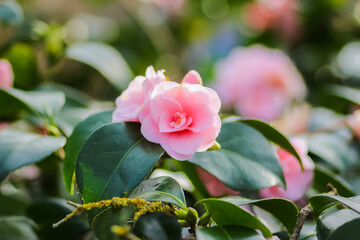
179,120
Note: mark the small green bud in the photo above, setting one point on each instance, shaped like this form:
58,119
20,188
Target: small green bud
184,223
216,146
204,219
192,215
181,214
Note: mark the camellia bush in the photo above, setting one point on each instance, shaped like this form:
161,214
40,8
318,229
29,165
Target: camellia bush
260,141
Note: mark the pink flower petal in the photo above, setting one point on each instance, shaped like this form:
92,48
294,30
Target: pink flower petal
192,77
162,104
202,118
150,130
169,150
185,142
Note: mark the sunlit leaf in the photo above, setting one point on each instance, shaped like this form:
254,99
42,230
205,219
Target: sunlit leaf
81,132
164,189
114,160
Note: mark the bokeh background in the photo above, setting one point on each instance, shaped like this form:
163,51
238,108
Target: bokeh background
92,49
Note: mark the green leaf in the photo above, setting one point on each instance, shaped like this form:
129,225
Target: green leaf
322,202
44,104
114,160
322,177
72,148
18,149
164,189
110,217
11,12
273,135
331,148
74,97
348,231
17,228
225,213
227,232
46,212
246,154
158,226
190,170
350,94
105,59
284,210
329,222
23,60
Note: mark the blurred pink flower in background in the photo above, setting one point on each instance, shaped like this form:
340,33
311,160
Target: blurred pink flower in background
297,182
258,82
6,75
213,185
353,121
282,14
182,118
294,120
132,101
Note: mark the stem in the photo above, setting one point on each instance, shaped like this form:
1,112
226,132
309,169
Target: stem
304,212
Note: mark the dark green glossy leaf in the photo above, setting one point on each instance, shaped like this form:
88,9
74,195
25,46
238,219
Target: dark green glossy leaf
227,232
284,210
322,177
18,149
72,148
225,213
348,231
44,104
246,154
114,160
17,228
322,202
48,211
164,189
105,59
329,222
273,135
158,226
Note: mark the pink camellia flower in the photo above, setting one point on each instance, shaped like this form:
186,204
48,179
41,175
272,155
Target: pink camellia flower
6,75
182,118
259,82
133,100
297,182
213,185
